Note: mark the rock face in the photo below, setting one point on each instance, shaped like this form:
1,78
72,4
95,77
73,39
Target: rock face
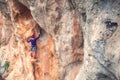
79,39
101,41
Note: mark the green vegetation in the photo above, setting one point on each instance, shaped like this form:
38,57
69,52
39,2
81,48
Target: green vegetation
6,65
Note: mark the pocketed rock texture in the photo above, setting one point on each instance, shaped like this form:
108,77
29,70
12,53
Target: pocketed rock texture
79,39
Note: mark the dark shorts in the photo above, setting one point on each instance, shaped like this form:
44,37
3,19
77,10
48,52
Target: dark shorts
33,48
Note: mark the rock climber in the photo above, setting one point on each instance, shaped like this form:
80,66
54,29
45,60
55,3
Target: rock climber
33,45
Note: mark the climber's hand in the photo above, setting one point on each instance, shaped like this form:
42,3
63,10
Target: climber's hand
39,35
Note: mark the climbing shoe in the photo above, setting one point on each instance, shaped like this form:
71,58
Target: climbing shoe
37,60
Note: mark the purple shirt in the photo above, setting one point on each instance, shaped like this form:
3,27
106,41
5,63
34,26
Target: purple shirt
33,41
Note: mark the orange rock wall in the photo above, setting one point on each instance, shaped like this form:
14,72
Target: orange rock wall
56,59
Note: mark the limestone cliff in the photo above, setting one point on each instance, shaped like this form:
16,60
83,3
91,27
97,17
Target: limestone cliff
79,39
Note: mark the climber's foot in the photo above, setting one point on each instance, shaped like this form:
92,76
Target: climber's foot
37,60
33,60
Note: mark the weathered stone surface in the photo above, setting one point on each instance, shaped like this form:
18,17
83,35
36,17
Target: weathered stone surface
101,48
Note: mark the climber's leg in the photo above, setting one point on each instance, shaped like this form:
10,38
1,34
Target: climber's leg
32,51
35,52
31,54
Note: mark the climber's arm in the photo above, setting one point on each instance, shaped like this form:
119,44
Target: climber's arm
37,37
28,40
